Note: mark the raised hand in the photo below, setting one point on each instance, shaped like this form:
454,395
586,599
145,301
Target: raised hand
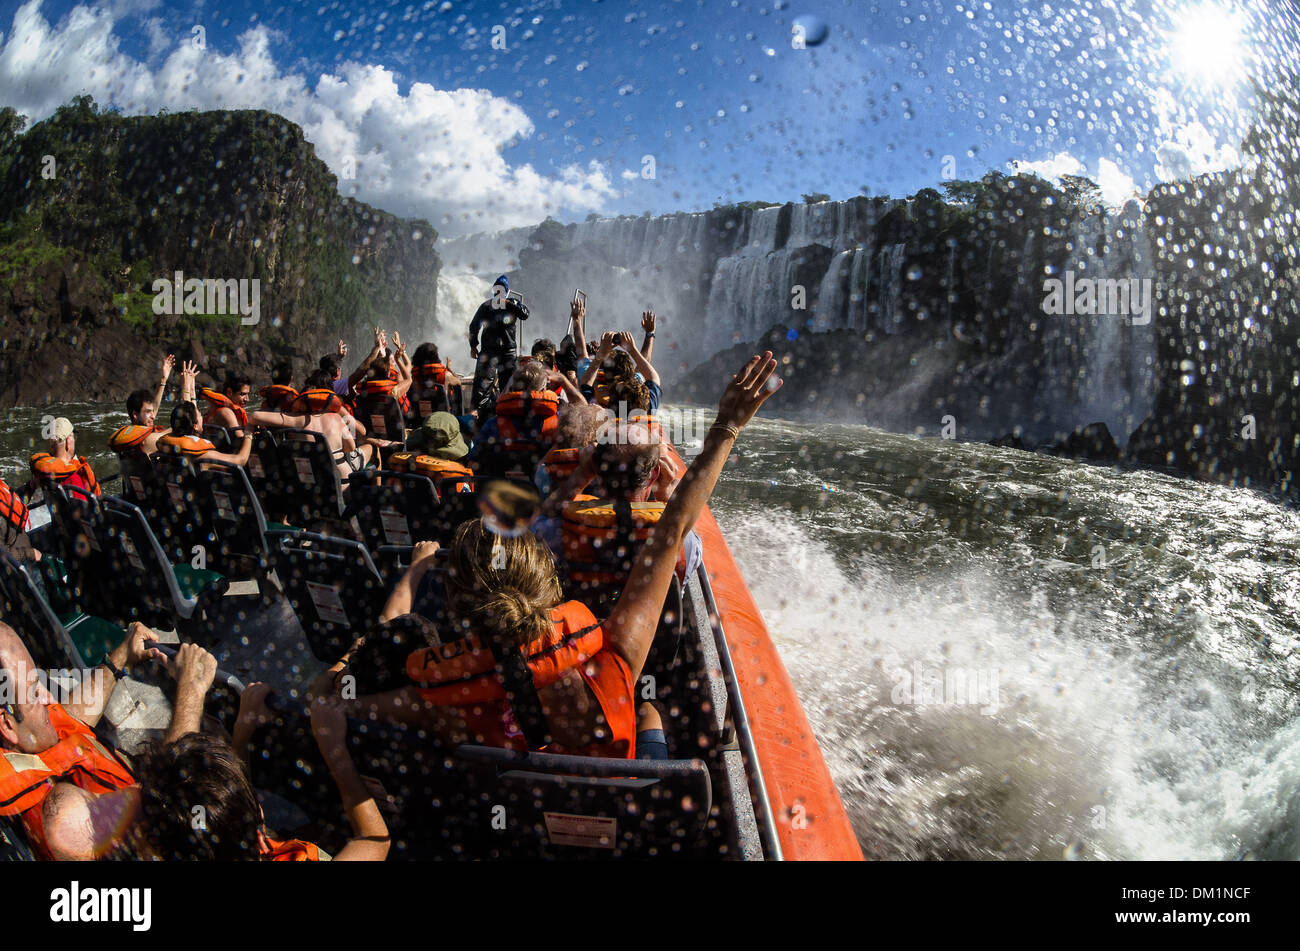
648,321
343,349
168,364
397,342
577,310
189,370
624,340
608,341
747,391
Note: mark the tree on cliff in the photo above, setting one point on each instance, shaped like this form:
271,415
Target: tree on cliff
814,198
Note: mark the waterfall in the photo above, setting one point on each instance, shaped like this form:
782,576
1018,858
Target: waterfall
891,282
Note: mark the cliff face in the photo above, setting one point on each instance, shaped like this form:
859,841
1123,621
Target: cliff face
95,208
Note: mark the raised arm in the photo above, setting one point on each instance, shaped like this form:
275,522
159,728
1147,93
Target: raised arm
648,344
608,341
642,364
570,388
359,374
403,367
168,364
631,626
189,373
578,313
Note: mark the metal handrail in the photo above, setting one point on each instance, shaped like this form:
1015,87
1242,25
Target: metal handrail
758,788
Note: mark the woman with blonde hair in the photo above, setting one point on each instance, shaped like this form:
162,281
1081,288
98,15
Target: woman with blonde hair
513,666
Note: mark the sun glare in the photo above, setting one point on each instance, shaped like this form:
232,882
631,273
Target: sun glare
1206,45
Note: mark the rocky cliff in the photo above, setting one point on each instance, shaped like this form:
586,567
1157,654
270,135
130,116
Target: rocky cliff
96,207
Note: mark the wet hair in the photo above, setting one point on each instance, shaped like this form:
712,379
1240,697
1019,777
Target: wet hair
185,420
136,400
578,425
330,364
320,380
236,382
515,600
592,348
426,353
379,368
632,393
528,377
282,373
544,353
618,366
197,770
621,477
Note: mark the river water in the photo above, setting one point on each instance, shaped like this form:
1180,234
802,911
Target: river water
1005,654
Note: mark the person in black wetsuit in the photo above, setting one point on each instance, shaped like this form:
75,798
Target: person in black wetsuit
496,318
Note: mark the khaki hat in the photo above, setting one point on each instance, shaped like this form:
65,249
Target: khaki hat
439,436
62,429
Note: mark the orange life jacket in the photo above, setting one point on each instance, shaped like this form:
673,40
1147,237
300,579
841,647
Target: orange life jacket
430,374
315,402
131,436
527,421
462,674
560,464
45,466
278,397
220,401
13,510
193,446
444,472
292,850
600,538
381,388
78,758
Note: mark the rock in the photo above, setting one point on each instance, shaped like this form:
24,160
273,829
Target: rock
1091,443
1010,441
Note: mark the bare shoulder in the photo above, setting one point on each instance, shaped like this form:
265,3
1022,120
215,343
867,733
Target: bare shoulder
69,828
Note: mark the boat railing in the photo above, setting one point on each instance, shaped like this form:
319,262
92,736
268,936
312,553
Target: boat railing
744,733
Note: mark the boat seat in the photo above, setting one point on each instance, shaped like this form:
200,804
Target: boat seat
236,515
571,807
382,416
221,437
77,525
332,586
184,517
140,484
14,846
266,474
436,398
393,508
48,641
146,586
311,484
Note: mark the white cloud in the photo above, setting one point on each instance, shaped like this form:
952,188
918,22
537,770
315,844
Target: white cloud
1117,187
1190,150
430,152
628,175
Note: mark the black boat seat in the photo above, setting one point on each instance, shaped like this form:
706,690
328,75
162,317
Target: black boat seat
311,477
542,805
382,416
393,508
332,586
146,586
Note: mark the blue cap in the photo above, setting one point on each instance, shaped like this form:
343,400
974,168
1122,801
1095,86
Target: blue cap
503,281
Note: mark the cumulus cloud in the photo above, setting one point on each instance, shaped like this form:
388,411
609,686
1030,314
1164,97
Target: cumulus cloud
428,152
1190,150
1117,186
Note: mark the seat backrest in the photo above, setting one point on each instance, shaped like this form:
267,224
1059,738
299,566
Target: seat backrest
455,506
142,586
234,512
382,416
331,584
221,437
429,398
265,472
25,610
393,508
308,466
77,525
184,517
582,806
140,485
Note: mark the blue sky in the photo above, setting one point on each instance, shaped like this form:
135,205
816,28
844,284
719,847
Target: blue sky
416,102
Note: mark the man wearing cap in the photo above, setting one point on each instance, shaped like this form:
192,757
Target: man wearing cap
496,358
439,436
61,463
